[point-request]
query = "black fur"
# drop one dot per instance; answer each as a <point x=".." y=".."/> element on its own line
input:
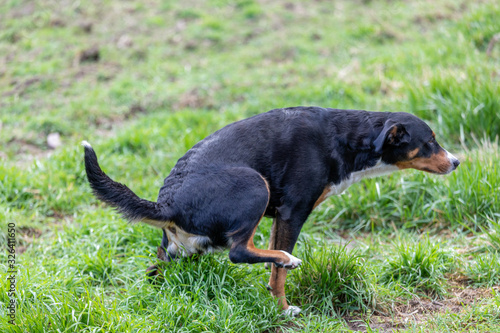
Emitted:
<point x="280" y="164"/>
<point x="118" y="195"/>
<point x="276" y="164"/>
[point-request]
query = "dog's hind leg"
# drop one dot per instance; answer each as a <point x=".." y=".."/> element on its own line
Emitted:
<point x="243" y="249"/>
<point x="249" y="200"/>
<point x="161" y="254"/>
<point x="162" y="249"/>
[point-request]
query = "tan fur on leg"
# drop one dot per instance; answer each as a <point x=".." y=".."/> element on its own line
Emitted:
<point x="277" y="285"/>
<point x="272" y="241"/>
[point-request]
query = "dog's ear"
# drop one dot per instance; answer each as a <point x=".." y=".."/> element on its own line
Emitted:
<point x="393" y="134"/>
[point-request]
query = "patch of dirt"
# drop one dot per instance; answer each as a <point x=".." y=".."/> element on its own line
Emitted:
<point x="95" y="71"/>
<point x="57" y="22"/>
<point x="89" y="55"/>
<point x="452" y="13"/>
<point x="24" y="10"/>
<point x="20" y="87"/>
<point x="26" y="236"/>
<point x="135" y="110"/>
<point x="27" y="151"/>
<point x="85" y="26"/>
<point x="195" y="99"/>
<point x="108" y="126"/>
<point x="358" y="324"/>
<point x="420" y="310"/>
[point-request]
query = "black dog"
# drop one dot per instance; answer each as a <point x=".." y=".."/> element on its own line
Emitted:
<point x="281" y="164"/>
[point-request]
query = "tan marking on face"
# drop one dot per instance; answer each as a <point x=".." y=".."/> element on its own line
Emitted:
<point x="413" y="153"/>
<point x="322" y="197"/>
<point x="433" y="134"/>
<point x="437" y="163"/>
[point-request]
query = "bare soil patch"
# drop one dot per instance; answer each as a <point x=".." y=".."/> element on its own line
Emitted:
<point x="420" y="310"/>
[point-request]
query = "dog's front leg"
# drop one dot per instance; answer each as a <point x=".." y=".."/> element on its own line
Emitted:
<point x="277" y="286"/>
<point x="283" y="238"/>
<point x="271" y="241"/>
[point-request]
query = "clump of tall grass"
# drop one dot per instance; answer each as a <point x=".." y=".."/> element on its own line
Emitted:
<point x="493" y="234"/>
<point x="456" y="105"/>
<point x="332" y="279"/>
<point x="484" y="271"/>
<point x="420" y="266"/>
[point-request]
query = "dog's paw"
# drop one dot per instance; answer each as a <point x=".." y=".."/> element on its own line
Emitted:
<point x="153" y="271"/>
<point x="154" y="274"/>
<point x="292" y="263"/>
<point x="162" y="255"/>
<point x="292" y="311"/>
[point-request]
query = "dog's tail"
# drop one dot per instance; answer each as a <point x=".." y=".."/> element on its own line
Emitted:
<point x="120" y="196"/>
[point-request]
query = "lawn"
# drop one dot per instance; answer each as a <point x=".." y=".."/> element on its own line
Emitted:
<point x="143" y="81"/>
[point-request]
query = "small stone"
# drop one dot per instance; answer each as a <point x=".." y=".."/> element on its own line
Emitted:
<point x="53" y="140"/>
<point x="124" y="42"/>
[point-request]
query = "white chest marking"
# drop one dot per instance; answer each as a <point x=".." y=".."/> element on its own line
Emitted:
<point x="379" y="169"/>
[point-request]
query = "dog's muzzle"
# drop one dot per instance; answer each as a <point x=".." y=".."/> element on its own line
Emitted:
<point x="454" y="162"/>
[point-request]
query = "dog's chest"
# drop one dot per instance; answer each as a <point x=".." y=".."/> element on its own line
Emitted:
<point x="378" y="169"/>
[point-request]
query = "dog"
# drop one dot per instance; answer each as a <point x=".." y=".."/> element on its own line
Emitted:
<point x="281" y="164"/>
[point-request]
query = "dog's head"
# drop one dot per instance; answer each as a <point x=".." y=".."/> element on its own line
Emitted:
<point x="408" y="142"/>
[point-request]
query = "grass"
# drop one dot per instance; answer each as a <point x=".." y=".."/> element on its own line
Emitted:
<point x="493" y="234"/>
<point x="420" y="266"/>
<point x="164" y="75"/>
<point x="332" y="280"/>
<point x="485" y="270"/>
<point x="414" y="199"/>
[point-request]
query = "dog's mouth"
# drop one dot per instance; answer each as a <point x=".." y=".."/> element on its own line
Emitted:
<point x="442" y="163"/>
<point x="451" y="166"/>
<point x="449" y="170"/>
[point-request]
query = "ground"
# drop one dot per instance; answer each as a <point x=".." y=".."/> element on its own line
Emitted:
<point x="144" y="81"/>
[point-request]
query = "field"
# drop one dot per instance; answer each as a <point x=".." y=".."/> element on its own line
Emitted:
<point x="143" y="81"/>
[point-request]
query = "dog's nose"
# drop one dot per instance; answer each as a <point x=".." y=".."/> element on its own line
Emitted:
<point x="453" y="160"/>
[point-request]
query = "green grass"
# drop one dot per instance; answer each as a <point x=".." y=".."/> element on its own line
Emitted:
<point x="493" y="234"/>
<point x="420" y="266"/>
<point x="485" y="270"/>
<point x="171" y="73"/>
<point x="332" y="280"/>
